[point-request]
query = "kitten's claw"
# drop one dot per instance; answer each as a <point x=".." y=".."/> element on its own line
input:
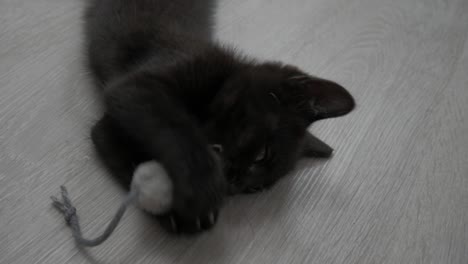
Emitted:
<point x="179" y="225"/>
<point x="173" y="224"/>
<point x="211" y="218"/>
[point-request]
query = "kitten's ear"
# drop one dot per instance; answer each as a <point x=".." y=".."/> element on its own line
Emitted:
<point x="314" y="147"/>
<point x="326" y="99"/>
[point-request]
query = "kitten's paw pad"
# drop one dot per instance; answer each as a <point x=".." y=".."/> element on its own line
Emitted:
<point x="179" y="225"/>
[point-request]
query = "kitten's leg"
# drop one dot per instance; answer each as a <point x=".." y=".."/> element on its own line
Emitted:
<point x="116" y="151"/>
<point x="162" y="129"/>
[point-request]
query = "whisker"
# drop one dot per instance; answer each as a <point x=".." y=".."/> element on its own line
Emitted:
<point x="275" y="97"/>
<point x="299" y="77"/>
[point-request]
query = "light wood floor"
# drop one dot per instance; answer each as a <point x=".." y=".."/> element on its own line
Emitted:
<point x="396" y="190"/>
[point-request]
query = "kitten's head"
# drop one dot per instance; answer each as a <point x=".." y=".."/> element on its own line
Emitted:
<point x="261" y="116"/>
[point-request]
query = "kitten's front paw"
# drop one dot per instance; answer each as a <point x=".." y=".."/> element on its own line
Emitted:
<point x="197" y="197"/>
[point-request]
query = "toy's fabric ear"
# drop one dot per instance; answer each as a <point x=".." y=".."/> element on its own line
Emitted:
<point x="325" y="99"/>
<point x="314" y="147"/>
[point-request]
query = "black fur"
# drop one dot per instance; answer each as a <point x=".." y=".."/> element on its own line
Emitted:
<point x="170" y="92"/>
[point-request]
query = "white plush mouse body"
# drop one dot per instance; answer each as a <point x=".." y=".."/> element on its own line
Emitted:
<point x="153" y="187"/>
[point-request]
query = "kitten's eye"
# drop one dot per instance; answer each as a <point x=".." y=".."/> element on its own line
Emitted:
<point x="262" y="155"/>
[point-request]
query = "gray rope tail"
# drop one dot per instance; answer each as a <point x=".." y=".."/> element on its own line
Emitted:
<point x="69" y="212"/>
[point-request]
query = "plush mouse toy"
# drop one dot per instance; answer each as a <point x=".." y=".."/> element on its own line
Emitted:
<point x="151" y="190"/>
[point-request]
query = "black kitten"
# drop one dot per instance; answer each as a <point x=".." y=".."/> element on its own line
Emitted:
<point x="170" y="92"/>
